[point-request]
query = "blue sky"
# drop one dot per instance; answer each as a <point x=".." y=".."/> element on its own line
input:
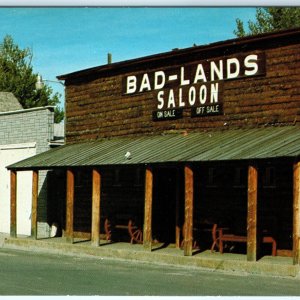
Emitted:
<point x="65" y="40"/>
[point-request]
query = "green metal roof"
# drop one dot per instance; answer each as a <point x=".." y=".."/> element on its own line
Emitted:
<point x="229" y="144"/>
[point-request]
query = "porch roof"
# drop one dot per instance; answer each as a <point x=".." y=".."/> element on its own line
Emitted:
<point x="228" y="144"/>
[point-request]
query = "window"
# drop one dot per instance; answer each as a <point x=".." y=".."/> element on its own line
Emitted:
<point x="212" y="177"/>
<point x="240" y="177"/>
<point x="269" y="180"/>
<point x="117" y="177"/>
<point x="138" y="178"/>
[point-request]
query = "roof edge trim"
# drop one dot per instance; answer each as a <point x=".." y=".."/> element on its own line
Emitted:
<point x="215" y="45"/>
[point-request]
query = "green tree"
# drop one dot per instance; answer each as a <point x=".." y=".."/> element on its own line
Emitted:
<point x="16" y="76"/>
<point x="270" y="19"/>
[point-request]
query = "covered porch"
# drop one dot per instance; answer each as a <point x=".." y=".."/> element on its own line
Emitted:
<point x="186" y="155"/>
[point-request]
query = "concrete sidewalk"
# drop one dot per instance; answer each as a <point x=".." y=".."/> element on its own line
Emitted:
<point x="268" y="265"/>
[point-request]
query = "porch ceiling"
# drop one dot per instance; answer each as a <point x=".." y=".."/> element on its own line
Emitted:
<point x="238" y="144"/>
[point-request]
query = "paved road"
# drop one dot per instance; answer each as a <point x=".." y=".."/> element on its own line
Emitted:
<point x="27" y="273"/>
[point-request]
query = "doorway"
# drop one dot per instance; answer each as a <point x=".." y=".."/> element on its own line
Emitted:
<point x="168" y="204"/>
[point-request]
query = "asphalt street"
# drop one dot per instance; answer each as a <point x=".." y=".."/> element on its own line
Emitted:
<point x="29" y="273"/>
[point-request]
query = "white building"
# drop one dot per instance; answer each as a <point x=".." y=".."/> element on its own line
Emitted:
<point x="24" y="133"/>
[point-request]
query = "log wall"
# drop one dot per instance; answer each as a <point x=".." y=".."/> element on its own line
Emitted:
<point x="97" y="108"/>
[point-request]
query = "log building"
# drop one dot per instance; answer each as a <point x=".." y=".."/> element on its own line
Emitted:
<point x="179" y="141"/>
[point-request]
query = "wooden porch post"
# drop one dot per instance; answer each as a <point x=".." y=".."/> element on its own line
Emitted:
<point x="147" y="241"/>
<point x="189" y="204"/>
<point x="95" y="238"/>
<point x="13" y="203"/>
<point x="177" y="217"/>
<point x="34" y="207"/>
<point x="296" y="213"/>
<point x="252" y="245"/>
<point x="70" y="206"/>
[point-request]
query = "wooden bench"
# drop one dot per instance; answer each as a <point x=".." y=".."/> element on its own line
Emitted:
<point x="219" y="238"/>
<point x="135" y="233"/>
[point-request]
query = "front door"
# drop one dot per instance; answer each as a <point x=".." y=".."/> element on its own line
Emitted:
<point x="167" y="204"/>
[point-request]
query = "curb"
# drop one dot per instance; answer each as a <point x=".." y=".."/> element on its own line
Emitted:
<point x="216" y="263"/>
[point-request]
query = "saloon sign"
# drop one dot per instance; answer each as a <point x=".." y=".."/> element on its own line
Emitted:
<point x="198" y="86"/>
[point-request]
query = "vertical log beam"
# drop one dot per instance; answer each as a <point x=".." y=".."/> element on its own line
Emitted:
<point x="252" y="245"/>
<point x="34" y="207"/>
<point x="189" y="205"/>
<point x="13" y="203"/>
<point x="95" y="239"/>
<point x="70" y="207"/>
<point x="177" y="230"/>
<point x="147" y="241"/>
<point x="296" y="213"/>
